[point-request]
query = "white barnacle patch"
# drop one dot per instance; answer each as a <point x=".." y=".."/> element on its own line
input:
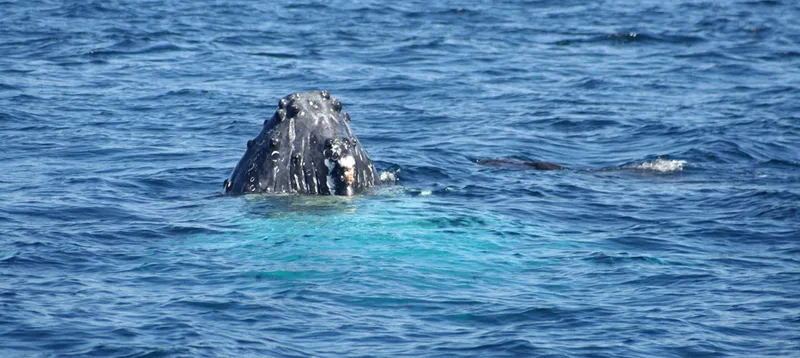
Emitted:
<point x="347" y="162"/>
<point x="372" y="174"/>
<point x="331" y="165"/>
<point x="292" y="129"/>
<point x="275" y="155"/>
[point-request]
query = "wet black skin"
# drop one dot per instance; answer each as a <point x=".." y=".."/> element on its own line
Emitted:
<point x="290" y="153"/>
<point x="518" y="164"/>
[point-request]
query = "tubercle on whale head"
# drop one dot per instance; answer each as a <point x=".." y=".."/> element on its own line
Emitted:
<point x="301" y="104"/>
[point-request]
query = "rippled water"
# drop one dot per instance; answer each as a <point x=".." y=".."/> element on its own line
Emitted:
<point x="675" y="232"/>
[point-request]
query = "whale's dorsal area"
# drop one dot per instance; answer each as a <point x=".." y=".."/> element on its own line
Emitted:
<point x="511" y="163"/>
<point x="307" y="147"/>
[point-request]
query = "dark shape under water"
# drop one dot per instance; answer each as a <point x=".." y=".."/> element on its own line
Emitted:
<point x="307" y="147"/>
<point x="518" y="164"/>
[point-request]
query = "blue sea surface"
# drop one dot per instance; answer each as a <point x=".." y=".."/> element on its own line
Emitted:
<point x="674" y="232"/>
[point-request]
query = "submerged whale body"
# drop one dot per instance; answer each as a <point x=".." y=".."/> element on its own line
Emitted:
<point x="512" y="163"/>
<point x="307" y="147"/>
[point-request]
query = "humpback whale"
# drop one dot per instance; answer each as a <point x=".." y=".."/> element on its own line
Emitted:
<point x="306" y="147"/>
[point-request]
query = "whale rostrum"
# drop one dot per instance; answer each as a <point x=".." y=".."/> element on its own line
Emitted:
<point x="307" y="147"/>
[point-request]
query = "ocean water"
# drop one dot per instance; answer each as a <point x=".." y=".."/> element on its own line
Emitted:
<point x="674" y="233"/>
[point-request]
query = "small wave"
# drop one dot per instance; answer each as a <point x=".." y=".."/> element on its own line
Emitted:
<point x="26" y="97"/>
<point x="128" y="48"/>
<point x="709" y="55"/>
<point x="593" y="83"/>
<point x="779" y="163"/>
<point x="275" y="55"/>
<point x="622" y="38"/>
<point x="660" y="165"/>
<point x="788" y="54"/>
<point x="581" y="125"/>
<point x="6" y="87"/>
<point x="183" y="92"/>
<point x="761" y="3"/>
<point x="622" y="258"/>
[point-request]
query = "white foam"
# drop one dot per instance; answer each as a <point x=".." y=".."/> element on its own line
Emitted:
<point x="388" y="177"/>
<point x="661" y="165"/>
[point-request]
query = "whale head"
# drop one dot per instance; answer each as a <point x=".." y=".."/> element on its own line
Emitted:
<point x="306" y="147"/>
